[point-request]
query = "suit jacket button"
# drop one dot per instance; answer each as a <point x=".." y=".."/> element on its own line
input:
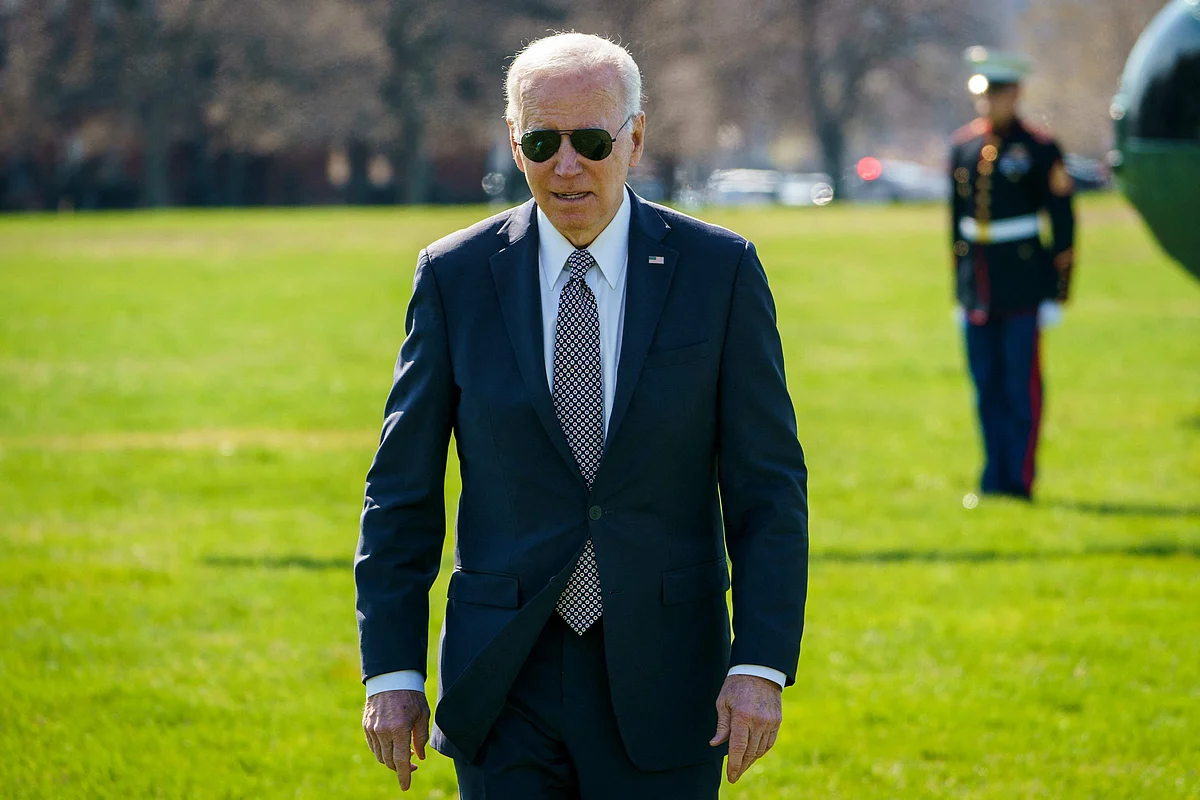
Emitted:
<point x="594" y="512"/>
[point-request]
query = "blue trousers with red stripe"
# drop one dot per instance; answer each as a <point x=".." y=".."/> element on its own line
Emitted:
<point x="1005" y="363"/>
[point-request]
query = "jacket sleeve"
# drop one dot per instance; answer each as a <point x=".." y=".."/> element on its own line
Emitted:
<point x="763" y="481"/>
<point x="957" y="212"/>
<point x="1057" y="191"/>
<point x="403" y="522"/>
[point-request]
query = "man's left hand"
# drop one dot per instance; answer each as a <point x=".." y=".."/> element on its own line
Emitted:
<point x="749" y="713"/>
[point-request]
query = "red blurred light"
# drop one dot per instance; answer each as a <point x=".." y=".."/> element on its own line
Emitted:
<point x="869" y="168"/>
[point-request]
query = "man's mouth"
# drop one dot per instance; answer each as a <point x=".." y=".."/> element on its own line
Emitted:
<point x="570" y="195"/>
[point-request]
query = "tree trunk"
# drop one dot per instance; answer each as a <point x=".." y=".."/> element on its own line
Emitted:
<point x="416" y="159"/>
<point x="156" y="155"/>
<point x="829" y="130"/>
<point x="668" y="174"/>
<point x="358" y="187"/>
<point x="831" y="133"/>
<point x="235" y="185"/>
<point x="156" y="190"/>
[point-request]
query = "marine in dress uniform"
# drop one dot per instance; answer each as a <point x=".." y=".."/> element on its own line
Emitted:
<point x="1009" y="285"/>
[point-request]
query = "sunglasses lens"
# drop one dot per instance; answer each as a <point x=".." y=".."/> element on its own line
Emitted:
<point x="540" y="146"/>
<point x="593" y="144"/>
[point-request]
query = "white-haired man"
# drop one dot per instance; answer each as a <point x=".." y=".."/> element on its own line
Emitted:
<point x="613" y="377"/>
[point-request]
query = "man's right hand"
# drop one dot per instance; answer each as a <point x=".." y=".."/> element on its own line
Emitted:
<point x="397" y="726"/>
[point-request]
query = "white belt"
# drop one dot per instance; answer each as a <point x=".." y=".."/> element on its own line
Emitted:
<point x="1013" y="229"/>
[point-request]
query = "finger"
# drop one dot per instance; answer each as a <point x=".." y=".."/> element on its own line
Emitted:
<point x="370" y="734"/>
<point x="722" y="724"/>
<point x="752" y="748"/>
<point x="401" y="758"/>
<point x="421" y="734"/>
<point x="748" y="757"/>
<point x="399" y="780"/>
<point x="373" y="743"/>
<point x="390" y="742"/>
<point x="739" y="738"/>
<point x="769" y="742"/>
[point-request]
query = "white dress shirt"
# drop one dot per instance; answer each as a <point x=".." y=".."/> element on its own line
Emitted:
<point x="611" y="251"/>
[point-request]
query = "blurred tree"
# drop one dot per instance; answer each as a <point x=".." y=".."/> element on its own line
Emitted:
<point x="128" y="65"/>
<point x="274" y="75"/>
<point x="295" y="74"/>
<point x="231" y="82"/>
<point x="755" y="75"/>
<point x="159" y="56"/>
<point x="843" y="45"/>
<point x="438" y="56"/>
<point x="669" y="39"/>
<point x="1080" y="50"/>
<point x="46" y="88"/>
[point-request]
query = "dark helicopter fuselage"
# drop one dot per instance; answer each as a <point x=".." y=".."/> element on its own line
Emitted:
<point x="1157" y="115"/>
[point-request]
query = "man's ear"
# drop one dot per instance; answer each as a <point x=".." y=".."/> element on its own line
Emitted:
<point x="638" y="135"/>
<point x="513" y="142"/>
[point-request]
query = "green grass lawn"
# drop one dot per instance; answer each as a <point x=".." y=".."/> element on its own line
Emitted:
<point x="189" y="403"/>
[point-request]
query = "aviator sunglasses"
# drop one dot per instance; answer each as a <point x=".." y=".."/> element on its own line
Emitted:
<point x="594" y="144"/>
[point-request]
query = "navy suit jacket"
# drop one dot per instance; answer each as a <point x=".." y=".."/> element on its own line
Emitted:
<point x="701" y="461"/>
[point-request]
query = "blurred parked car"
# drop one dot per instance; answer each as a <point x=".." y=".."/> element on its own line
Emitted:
<point x="873" y="180"/>
<point x="805" y="189"/>
<point x="741" y="187"/>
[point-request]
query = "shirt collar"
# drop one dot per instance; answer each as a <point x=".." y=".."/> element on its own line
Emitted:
<point x="610" y="249"/>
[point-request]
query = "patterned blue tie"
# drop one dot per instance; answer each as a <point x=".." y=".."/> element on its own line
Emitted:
<point x="579" y="404"/>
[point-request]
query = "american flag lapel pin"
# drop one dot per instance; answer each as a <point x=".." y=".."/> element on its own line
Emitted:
<point x="657" y="260"/>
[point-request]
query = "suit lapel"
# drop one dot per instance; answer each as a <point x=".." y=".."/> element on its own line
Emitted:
<point x="515" y="273"/>
<point x="648" y="278"/>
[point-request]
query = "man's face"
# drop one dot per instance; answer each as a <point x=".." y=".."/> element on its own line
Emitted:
<point x="579" y="196"/>
<point x="999" y="103"/>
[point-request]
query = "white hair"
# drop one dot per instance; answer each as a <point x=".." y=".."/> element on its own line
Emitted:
<point x="571" y="53"/>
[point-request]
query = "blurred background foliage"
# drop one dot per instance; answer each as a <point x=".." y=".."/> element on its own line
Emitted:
<point x="126" y="103"/>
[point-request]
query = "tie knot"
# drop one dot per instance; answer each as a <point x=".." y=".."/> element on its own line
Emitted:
<point x="579" y="263"/>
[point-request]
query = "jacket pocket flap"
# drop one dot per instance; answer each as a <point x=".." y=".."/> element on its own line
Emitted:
<point x="485" y="588"/>
<point x="693" y="583"/>
<point x="678" y="355"/>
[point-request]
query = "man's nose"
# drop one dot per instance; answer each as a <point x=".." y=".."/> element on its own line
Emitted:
<point x="568" y="158"/>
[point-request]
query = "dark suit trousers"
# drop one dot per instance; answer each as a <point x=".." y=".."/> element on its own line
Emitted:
<point x="557" y="739"/>
<point x="1006" y="368"/>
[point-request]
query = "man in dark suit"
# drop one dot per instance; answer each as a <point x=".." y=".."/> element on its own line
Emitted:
<point x="1009" y="286"/>
<point x="613" y="377"/>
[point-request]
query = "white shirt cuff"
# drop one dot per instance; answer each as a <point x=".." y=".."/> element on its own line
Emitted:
<point x="773" y="675"/>
<point x="412" y="680"/>
<point x="407" y="679"/>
